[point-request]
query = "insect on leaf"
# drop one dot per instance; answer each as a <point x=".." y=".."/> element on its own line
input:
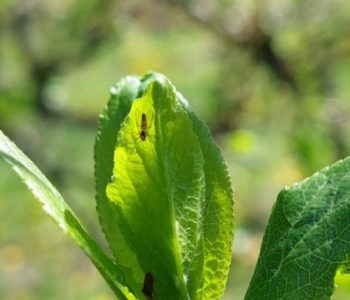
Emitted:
<point x="171" y="197"/>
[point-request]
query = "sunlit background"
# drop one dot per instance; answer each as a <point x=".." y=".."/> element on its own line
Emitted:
<point x="270" y="78"/>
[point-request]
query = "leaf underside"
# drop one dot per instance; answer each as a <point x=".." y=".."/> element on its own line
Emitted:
<point x="307" y="238"/>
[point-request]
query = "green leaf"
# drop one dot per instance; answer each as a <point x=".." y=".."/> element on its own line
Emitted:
<point x="56" y="207"/>
<point x="307" y="238"/>
<point x="170" y="196"/>
<point x="217" y="214"/>
<point x="110" y="121"/>
<point x="214" y="252"/>
<point x="153" y="178"/>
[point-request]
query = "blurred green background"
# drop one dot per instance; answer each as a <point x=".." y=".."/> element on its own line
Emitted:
<point x="270" y="78"/>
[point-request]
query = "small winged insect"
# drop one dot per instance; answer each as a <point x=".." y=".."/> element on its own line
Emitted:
<point x="144" y="123"/>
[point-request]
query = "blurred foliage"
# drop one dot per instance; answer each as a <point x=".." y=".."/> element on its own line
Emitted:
<point x="271" y="78"/>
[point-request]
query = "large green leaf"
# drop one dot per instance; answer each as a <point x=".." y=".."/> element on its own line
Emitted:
<point x="170" y="208"/>
<point x="307" y="238"/>
<point x="155" y="180"/>
<point x="56" y="207"/>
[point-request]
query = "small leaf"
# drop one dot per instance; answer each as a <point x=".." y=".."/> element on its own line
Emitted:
<point x="307" y="238"/>
<point x="56" y="207"/>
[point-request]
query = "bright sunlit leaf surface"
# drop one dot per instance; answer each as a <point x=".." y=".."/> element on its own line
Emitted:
<point x="165" y="202"/>
<point x="307" y="238"/>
